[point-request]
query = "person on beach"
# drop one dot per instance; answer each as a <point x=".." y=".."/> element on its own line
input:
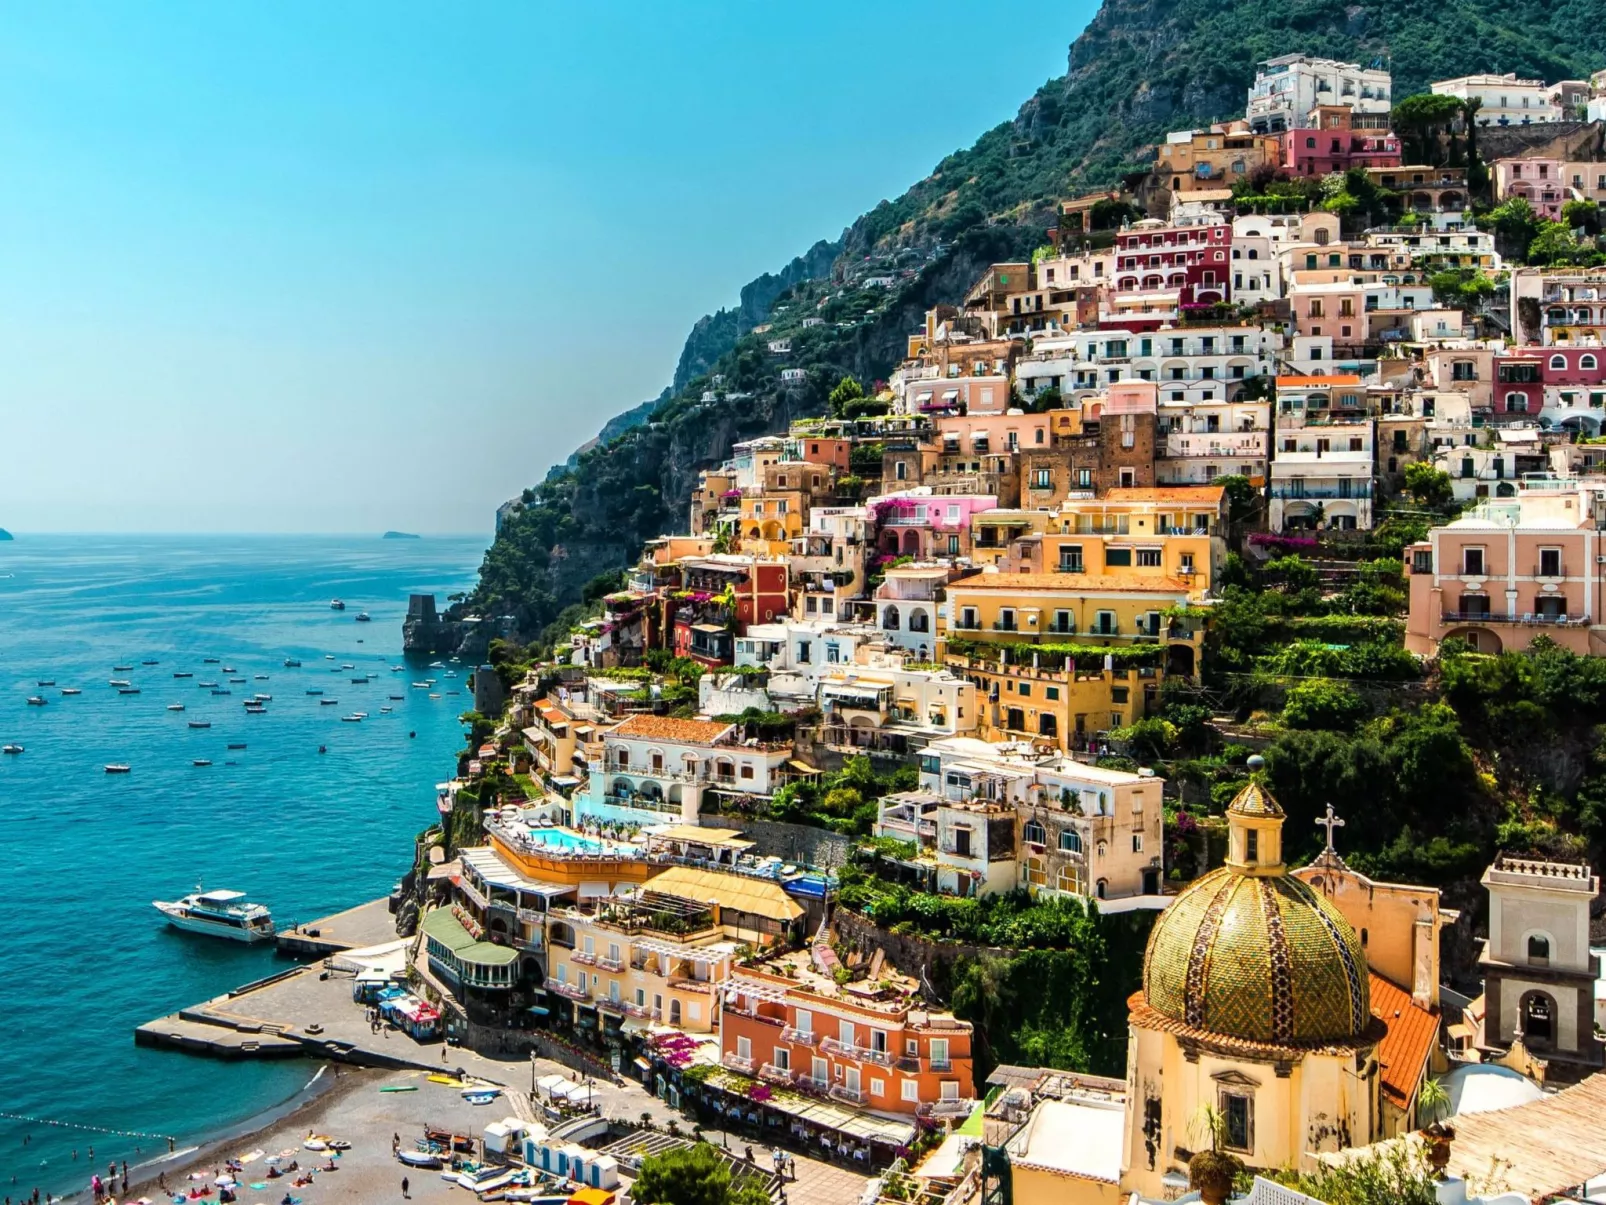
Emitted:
<point x="405" y="1195"/>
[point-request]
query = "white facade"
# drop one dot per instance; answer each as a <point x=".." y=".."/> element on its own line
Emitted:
<point x="1207" y="440"/>
<point x="1322" y="471"/>
<point x="1507" y="100"/>
<point x="1190" y="364"/>
<point x="1287" y="88"/>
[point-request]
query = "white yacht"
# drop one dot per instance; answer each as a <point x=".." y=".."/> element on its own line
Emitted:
<point x="221" y="913"/>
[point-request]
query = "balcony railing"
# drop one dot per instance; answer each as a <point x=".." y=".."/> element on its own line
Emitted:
<point x="1360" y="489"/>
<point x="946" y="1108"/>
<point x="770" y="1071"/>
<point x="842" y="1092"/>
<point x="530" y="916"/>
<point x="1557" y="570"/>
<point x="804" y="1036"/>
<point x="737" y="1063"/>
<point x="583" y="958"/>
<point x="572" y="991"/>
<point x="809" y="1084"/>
<point x="474" y="893"/>
<point x="609" y="964"/>
<point x="610" y="1005"/>
<point x="1524" y="617"/>
<point x="687" y="984"/>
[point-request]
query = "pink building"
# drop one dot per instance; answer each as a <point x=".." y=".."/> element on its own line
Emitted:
<point x="1338" y="139"/>
<point x="1191" y="262"/>
<point x="925" y="525"/>
<point x="1548" y="184"/>
<point x="1510" y="569"/>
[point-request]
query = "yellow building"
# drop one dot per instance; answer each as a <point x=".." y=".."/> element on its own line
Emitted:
<point x="1102" y="610"/>
<point x="1051" y="698"/>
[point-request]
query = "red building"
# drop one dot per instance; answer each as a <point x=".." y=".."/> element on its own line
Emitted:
<point x="1339" y="139"/>
<point x="1189" y="263"/>
<point x="719" y="596"/>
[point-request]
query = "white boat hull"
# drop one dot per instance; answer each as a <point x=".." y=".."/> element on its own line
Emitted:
<point x="180" y="919"/>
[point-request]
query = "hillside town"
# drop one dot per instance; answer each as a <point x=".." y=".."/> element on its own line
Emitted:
<point x="935" y="653"/>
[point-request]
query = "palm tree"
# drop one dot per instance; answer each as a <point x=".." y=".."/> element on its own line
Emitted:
<point x="1212" y="1172"/>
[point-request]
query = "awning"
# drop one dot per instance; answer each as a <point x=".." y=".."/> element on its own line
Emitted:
<point x="863" y="1126"/>
<point x="803" y="767"/>
<point x="949" y="395"/>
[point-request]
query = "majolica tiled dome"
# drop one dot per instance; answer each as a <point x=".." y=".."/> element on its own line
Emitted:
<point x="1261" y="957"/>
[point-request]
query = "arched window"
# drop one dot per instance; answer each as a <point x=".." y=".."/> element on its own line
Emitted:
<point x="1558" y="361"/>
<point x="1034" y="873"/>
<point x="889" y="618"/>
<point x="621" y="757"/>
<point x="1587" y="362"/>
<point x="1102" y="848"/>
<point x="919" y="622"/>
<point x="1254" y="253"/>
<point x="1102" y="888"/>
<point x="1035" y="834"/>
<point x="1070" y="841"/>
<point x="1070" y="879"/>
<point x="1539" y="950"/>
<point x="623" y="787"/>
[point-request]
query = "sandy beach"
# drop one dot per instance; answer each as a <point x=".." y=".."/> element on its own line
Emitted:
<point x="354" y="1109"/>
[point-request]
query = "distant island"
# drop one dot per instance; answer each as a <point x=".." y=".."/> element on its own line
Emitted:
<point x="6" y="535"/>
<point x="389" y="535"/>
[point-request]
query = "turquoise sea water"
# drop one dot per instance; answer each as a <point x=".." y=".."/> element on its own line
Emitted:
<point x="83" y="955"/>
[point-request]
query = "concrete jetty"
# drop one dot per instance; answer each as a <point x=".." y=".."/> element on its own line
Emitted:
<point x="365" y="925"/>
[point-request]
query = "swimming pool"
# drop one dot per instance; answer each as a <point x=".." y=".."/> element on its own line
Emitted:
<point x="572" y="842"/>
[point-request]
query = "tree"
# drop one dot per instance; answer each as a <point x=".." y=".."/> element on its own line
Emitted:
<point x="692" y="1176"/>
<point x="1323" y="704"/>
<point x="1581" y="215"/>
<point x="1242" y="497"/>
<point x="1515" y="225"/>
<point x="1428" y="485"/>
<point x="1421" y="121"/>
<point x="847" y="390"/>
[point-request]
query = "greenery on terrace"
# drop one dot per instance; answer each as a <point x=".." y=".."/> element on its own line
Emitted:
<point x="845" y="801"/>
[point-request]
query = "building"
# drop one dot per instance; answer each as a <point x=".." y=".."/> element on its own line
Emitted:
<point x="1559" y="306"/>
<point x="1549" y="183"/>
<point x="1324" y="457"/>
<point x="1159" y="263"/>
<point x="654" y="769"/>
<point x="1258" y="1001"/>
<point x="1205" y="160"/>
<point x="1508" y="570"/>
<point x="870" y="1045"/>
<point x="1538" y="971"/>
<point x="886" y="708"/>
<point x="1335" y="138"/>
<point x="1288" y="88"/>
<point x="1504" y="100"/>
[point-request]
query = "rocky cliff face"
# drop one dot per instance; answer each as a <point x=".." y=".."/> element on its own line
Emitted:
<point x="1140" y="68"/>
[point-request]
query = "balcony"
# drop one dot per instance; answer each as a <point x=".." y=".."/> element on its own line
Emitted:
<point x="1528" y="618"/>
<point x="956" y="1107"/>
<point x="770" y="1071"/>
<point x="857" y="1053"/>
<point x="608" y="964"/>
<point x="1001" y="626"/>
<point x="802" y="1036"/>
<point x="737" y="1063"/>
<point x="583" y="958"/>
<point x="608" y="1004"/>
<point x="842" y="1092"/>
<point x="529" y="916"/>
<point x="686" y="983"/>
<point x="569" y="991"/>
<point x="1550" y="571"/>
<point x="809" y="1084"/>
<point x="1314" y="493"/>
<point x="474" y="893"/>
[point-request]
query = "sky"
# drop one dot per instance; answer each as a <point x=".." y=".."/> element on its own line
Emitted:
<point x="350" y="267"/>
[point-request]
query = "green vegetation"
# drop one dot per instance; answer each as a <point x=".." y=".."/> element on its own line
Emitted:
<point x="844" y="802"/>
<point x="1398" y="1176"/>
<point x="694" y="1175"/>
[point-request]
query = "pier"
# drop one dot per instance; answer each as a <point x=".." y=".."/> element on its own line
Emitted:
<point x="365" y="925"/>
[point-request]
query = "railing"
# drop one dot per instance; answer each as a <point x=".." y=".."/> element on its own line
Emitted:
<point x="1001" y="626"/>
<point x="809" y="1084"/>
<point x="946" y="1108"/>
<point x="609" y="964"/>
<point x="687" y="984"/>
<point x="609" y="1004"/>
<point x="529" y="916"/>
<point x="941" y="1064"/>
<point x="737" y="1063"/>
<point x="584" y="958"/>
<point x="803" y="1036"/>
<point x="771" y="1072"/>
<point x="1557" y="570"/>
<point x="640" y="1011"/>
<point x="570" y="990"/>
<point x="1359" y="490"/>
<point x="842" y="1092"/>
<point x="474" y="893"/>
<point x="1527" y="618"/>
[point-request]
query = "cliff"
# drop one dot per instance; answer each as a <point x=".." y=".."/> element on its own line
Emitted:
<point x="1140" y="68"/>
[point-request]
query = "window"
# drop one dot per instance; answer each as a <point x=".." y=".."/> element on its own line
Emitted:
<point x="910" y="1089"/>
<point x="782" y="1058"/>
<point x="878" y="1087"/>
<point x="939" y="1054"/>
<point x="1538" y="951"/>
<point x="1422" y="562"/>
<point x="1149" y="558"/>
<point x="1558" y="362"/>
<point x="1070" y="841"/>
<point x="1586" y="362"/>
<point x="1252" y="846"/>
<point x="1550" y="562"/>
<point x="1137" y="843"/>
<point x="1238" y="1116"/>
<point x="1034" y="833"/>
<point x="1118" y="558"/>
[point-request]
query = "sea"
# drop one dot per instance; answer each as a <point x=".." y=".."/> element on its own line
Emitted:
<point x="84" y="958"/>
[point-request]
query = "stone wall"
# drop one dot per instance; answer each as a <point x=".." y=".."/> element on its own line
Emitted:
<point x="930" y="962"/>
<point x="801" y="843"/>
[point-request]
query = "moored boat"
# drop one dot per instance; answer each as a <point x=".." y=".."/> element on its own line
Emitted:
<point x="201" y="761"/>
<point x="219" y="913"/>
<point x="36" y="700"/>
<point x="11" y="749"/>
<point x="46" y="682"/>
<point x="363" y="617"/>
<point x="329" y="702"/>
<point x="291" y="663"/>
<point x="182" y="673"/>
<point x="200" y="723"/>
<point x="119" y="682"/>
<point x="118" y="768"/>
<point x="175" y="707"/>
<point x="336" y="605"/>
<point x="128" y="690"/>
<point x="71" y="690"/>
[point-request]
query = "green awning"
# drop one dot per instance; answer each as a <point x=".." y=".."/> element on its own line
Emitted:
<point x="440" y="925"/>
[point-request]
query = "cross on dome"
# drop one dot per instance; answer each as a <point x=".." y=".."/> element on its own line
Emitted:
<point x="1330" y="822"/>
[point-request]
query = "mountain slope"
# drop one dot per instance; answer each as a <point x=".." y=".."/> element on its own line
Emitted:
<point x="1141" y="67"/>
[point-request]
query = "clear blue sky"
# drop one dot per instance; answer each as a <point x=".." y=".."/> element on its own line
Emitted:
<point x="346" y="267"/>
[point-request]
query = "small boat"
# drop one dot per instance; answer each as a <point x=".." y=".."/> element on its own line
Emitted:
<point x="128" y="690"/>
<point x="407" y="1088"/>
<point x="336" y="605"/>
<point x="201" y="761"/>
<point x="236" y="744"/>
<point x="119" y="682"/>
<point x="437" y="665"/>
<point x="420" y="685"/>
<point x="434" y="695"/>
<point x="291" y="663"/>
<point x="200" y="723"/>
<point x="398" y="668"/>
<point x="262" y="698"/>
<point x="118" y="768"/>
<point x="361" y="715"/>
<point x="480" y="1098"/>
<point x="182" y="673"/>
<point x="208" y="660"/>
<point x="36" y="700"/>
<point x="328" y="656"/>
<point x="11" y="749"/>
<point x="224" y="690"/>
<point x="206" y="685"/>
<point x="329" y="702"/>
<point x="384" y="711"/>
<point x="47" y="682"/>
<point x="451" y="673"/>
<point x="351" y="719"/>
<point x="237" y="681"/>
<point x="398" y="697"/>
<point x="315" y="691"/>
<point x="359" y="681"/>
<point x="229" y="669"/>
<point x="347" y="665"/>
<point x="175" y="707"/>
<point x="121" y="669"/>
<point x="260" y="677"/>
<point x="419" y="1159"/>
<point x="323" y="748"/>
<point x="255" y="709"/>
<point x="71" y="690"/>
<point x="222" y="913"/>
<point x="150" y="661"/>
<point x="363" y="617"/>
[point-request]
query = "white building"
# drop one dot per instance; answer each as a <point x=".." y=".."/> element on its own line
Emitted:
<point x="1204" y="440"/>
<point x="906" y="606"/>
<point x="1190" y="364"/>
<point x="1287" y="88"/>
<point x="1507" y="100"/>
<point x="879" y="706"/>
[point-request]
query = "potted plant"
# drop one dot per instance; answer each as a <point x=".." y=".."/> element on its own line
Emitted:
<point x="1212" y="1172"/>
<point x="1433" y="1101"/>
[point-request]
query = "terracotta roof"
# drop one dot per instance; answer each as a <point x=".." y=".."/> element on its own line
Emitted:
<point x="1342" y="378"/>
<point x="1544" y="1147"/>
<point x="1164" y="493"/>
<point x="662" y="728"/>
<point x="1403" y="1052"/>
<point x="1080" y="585"/>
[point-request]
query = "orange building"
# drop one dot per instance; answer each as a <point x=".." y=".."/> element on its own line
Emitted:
<point x="869" y="1045"/>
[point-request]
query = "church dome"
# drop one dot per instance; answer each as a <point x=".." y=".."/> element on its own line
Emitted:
<point x="1250" y="952"/>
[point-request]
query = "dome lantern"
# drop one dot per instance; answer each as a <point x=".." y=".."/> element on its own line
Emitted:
<point x="1255" y="827"/>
